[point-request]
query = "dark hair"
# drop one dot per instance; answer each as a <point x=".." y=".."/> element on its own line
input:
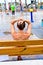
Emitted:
<point x="21" y="26"/>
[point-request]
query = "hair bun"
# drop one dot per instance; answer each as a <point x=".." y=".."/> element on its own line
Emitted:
<point x="21" y="26"/>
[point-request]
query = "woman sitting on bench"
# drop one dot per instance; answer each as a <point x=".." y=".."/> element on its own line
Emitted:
<point x="21" y="35"/>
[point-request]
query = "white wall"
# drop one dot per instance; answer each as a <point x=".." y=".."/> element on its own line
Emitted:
<point x="1" y="1"/>
<point x="28" y="1"/>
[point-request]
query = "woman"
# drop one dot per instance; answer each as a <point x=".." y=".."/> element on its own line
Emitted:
<point x="21" y="35"/>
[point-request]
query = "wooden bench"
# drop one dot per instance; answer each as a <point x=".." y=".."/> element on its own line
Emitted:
<point x="27" y="47"/>
<point x="18" y="48"/>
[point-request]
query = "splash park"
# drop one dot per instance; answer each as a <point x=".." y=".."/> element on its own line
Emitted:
<point x="17" y="46"/>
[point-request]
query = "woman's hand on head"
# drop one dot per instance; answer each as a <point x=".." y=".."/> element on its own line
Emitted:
<point x="13" y="21"/>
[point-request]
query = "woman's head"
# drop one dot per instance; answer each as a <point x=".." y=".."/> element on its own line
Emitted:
<point x="21" y="24"/>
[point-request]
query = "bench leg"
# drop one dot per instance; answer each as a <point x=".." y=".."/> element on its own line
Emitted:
<point x="19" y="58"/>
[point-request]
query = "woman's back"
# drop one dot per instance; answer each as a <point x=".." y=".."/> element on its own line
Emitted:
<point x="21" y="34"/>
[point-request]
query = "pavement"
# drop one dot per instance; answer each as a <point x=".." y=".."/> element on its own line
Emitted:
<point x="37" y="29"/>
